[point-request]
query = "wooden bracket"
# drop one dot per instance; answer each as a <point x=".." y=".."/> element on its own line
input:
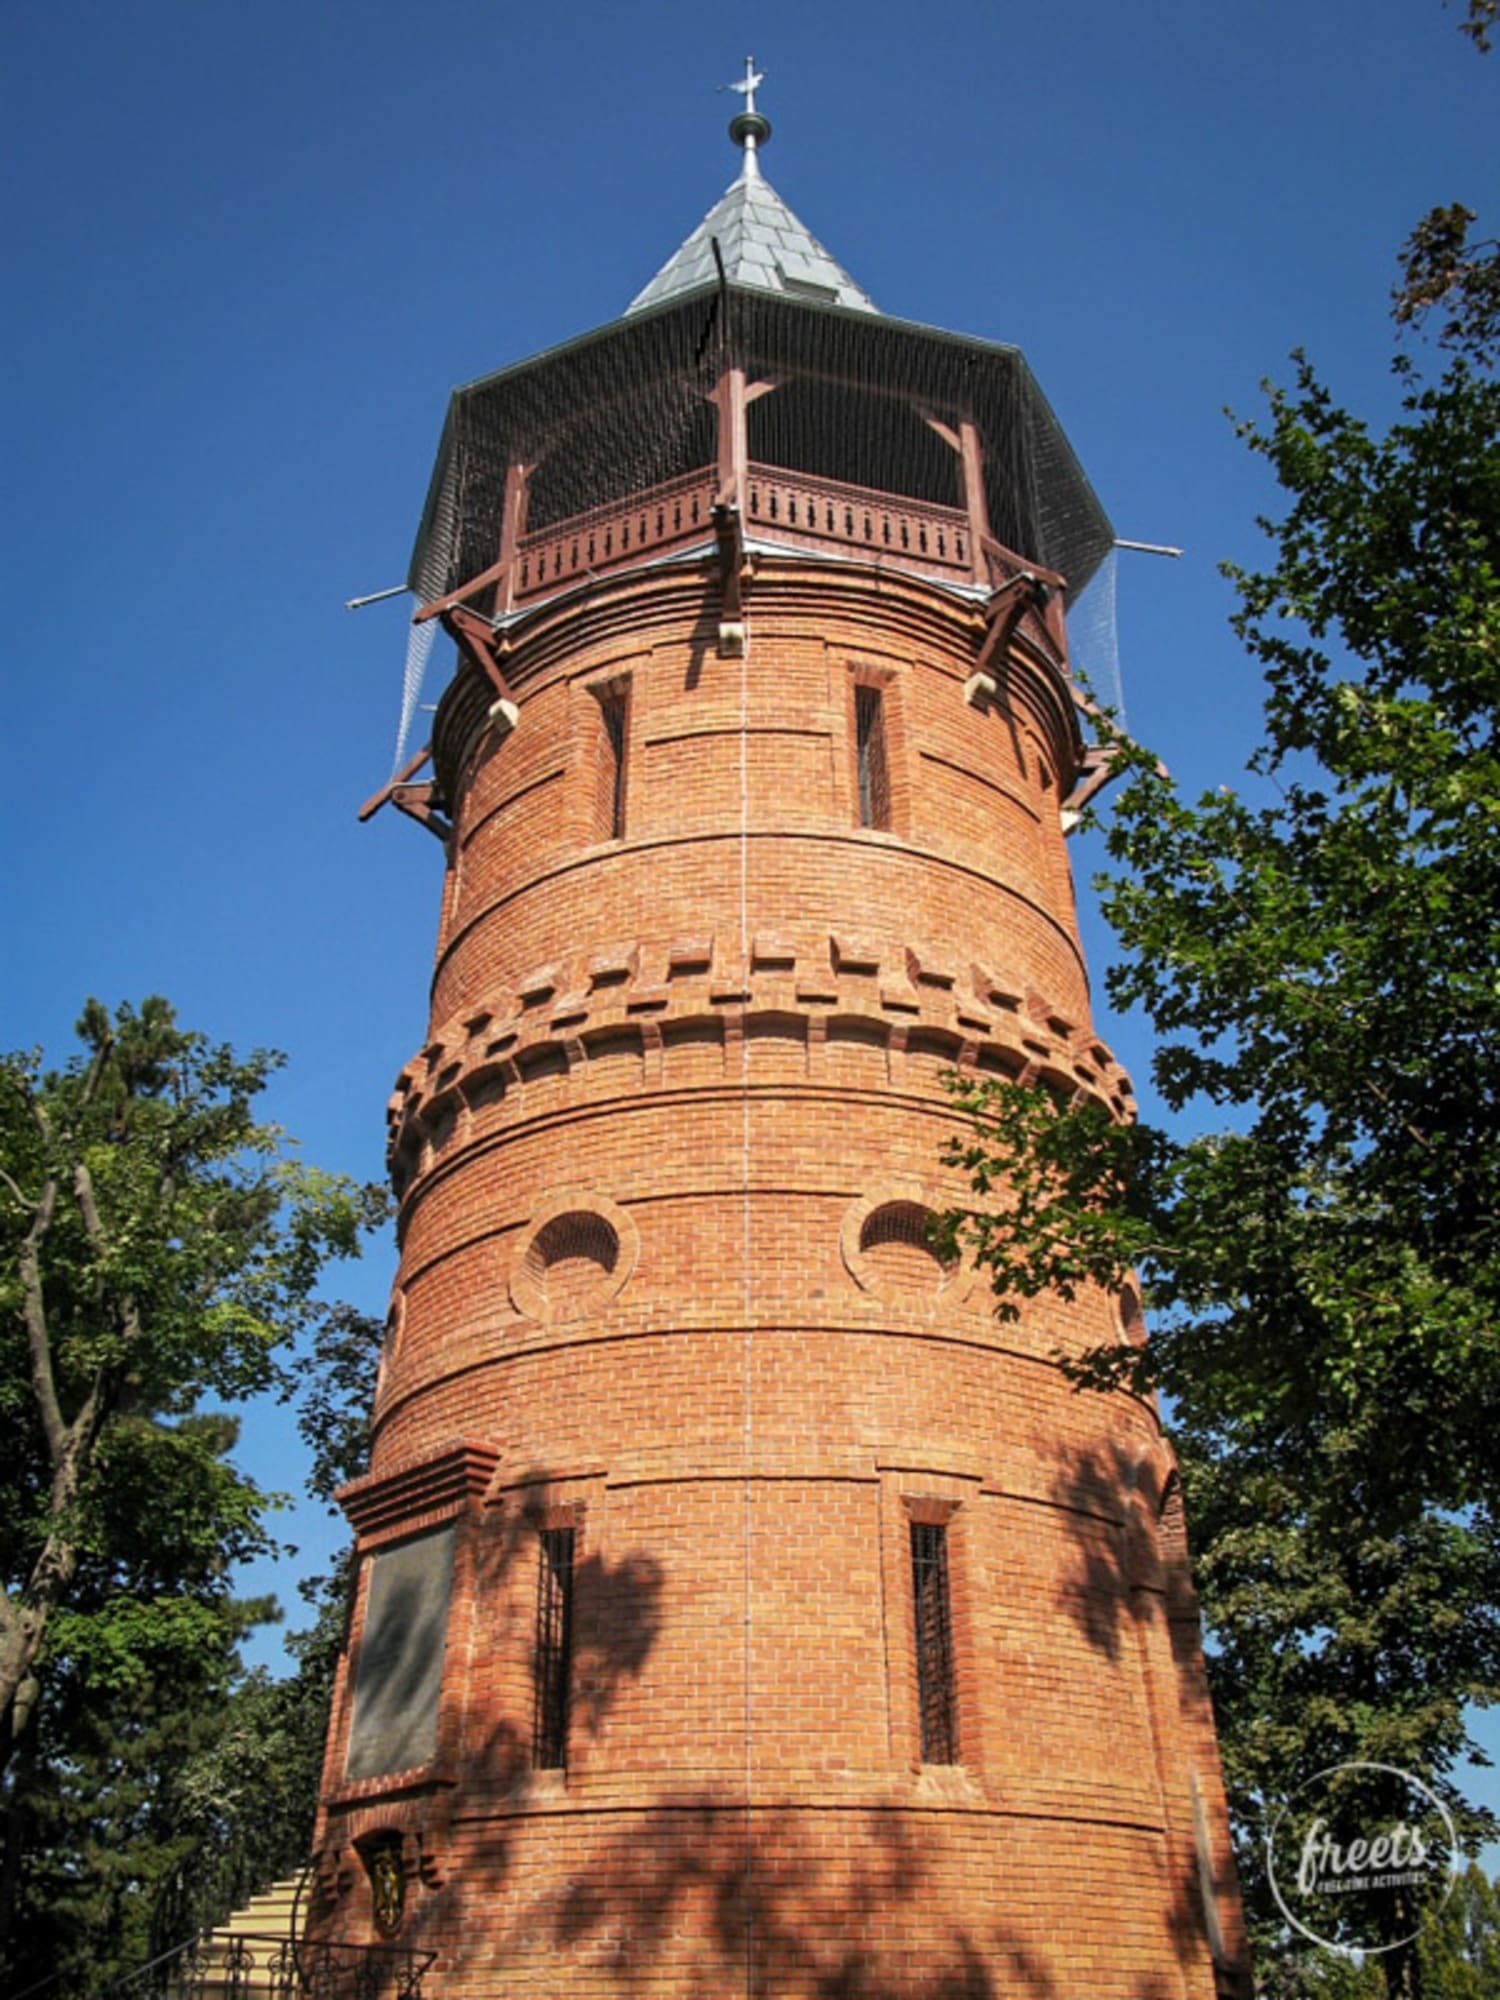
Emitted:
<point x="500" y="572"/>
<point x="1029" y="589"/>
<point x="440" y="606"/>
<point x="476" y="637"/>
<point x="409" y="769"/>
<point x="1003" y="614"/>
<point x="1100" y="765"/>
<point x="734" y="574"/>
<point x="419" y="802"/>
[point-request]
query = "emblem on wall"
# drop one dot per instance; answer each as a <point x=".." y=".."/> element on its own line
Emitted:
<point x="387" y="1887"/>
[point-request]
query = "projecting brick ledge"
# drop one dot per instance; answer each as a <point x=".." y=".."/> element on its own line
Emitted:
<point x="556" y="1016"/>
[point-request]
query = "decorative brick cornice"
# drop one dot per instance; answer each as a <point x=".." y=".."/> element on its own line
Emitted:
<point x="419" y="1493"/>
<point x="976" y="1019"/>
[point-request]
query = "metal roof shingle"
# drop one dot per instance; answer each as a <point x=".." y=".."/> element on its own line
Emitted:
<point x="762" y="244"/>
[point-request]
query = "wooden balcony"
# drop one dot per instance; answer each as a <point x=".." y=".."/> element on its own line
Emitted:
<point x="613" y="537"/>
<point x="827" y="514"/>
<point x="786" y="507"/>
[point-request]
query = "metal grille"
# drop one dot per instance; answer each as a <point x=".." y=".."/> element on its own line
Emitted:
<point x="896" y="1240"/>
<point x="869" y="737"/>
<point x="554" y="1649"/>
<point x="934" y="1630"/>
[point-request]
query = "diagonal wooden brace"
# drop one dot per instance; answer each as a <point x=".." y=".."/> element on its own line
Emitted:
<point x="409" y="769"/>
<point x="1100" y="766"/>
<point x="441" y="606"/>
<point x="476" y="637"/>
<point x="418" y="802"/>
<point x="501" y="572"/>
<point x="1003" y="614"/>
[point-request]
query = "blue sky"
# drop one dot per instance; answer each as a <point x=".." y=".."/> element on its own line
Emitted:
<point x="250" y="249"/>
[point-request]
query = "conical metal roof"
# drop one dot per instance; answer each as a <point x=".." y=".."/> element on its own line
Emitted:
<point x="763" y="246"/>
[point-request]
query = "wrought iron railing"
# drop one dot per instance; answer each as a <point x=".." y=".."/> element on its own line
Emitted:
<point x="249" y="1967"/>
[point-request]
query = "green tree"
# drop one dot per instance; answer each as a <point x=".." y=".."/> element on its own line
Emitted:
<point x="158" y="1248"/>
<point x="1319" y="962"/>
<point x="1460" y="1950"/>
<point x="243" y="1803"/>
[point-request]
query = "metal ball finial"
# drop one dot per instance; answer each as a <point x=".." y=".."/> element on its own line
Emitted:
<point x="749" y="125"/>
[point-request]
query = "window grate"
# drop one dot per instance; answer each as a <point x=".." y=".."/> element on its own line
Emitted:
<point x="554" y="1649"/>
<point x="869" y="740"/>
<point x="934" y="1631"/>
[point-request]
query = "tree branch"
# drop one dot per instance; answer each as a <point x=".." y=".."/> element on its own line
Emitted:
<point x="34" y="1310"/>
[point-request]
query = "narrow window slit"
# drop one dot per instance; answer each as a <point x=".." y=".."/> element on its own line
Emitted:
<point x="936" y="1702"/>
<point x="614" y="718"/>
<point x="554" y="1649"/>
<point x="869" y="739"/>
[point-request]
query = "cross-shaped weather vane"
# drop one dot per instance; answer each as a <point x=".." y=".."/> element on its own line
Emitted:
<point x="753" y="80"/>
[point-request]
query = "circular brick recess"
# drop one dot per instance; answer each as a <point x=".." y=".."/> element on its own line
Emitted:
<point x="575" y="1259"/>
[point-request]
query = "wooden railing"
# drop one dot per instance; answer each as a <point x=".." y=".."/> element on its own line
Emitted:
<point x="608" y="537"/>
<point x="780" y="506"/>
<point x="791" y="507"/>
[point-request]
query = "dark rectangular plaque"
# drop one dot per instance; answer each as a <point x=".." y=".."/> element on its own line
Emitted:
<point x="400" y="1670"/>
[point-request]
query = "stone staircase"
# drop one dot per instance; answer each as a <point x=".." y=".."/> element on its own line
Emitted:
<point x="250" y="1956"/>
<point x="247" y="1956"/>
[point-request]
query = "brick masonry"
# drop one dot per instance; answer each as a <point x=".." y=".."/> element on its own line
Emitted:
<point x="659" y="1161"/>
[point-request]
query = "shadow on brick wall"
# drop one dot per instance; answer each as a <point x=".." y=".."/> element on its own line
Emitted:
<point x="685" y="1893"/>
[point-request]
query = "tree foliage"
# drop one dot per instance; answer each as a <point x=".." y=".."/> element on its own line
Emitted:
<point x="159" y="1253"/>
<point x="1479" y="23"/>
<point x="1318" y="956"/>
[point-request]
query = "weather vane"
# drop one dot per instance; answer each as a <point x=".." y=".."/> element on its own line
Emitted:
<point x="749" y="128"/>
<point x="752" y="83"/>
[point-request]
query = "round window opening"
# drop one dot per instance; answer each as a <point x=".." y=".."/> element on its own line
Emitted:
<point x="895" y="1245"/>
<point x="577" y="1258"/>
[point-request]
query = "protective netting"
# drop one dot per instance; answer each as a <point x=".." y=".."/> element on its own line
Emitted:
<point x="853" y="398"/>
<point x="1094" y="639"/>
<point x="419" y="640"/>
<point x="612" y="414"/>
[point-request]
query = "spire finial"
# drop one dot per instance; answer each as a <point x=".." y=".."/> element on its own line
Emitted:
<point x="749" y="128"/>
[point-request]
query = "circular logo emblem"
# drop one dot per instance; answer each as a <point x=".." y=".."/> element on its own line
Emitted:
<point x="1360" y="1857"/>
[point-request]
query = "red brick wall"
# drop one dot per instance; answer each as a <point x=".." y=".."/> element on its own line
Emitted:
<point x="721" y="1037"/>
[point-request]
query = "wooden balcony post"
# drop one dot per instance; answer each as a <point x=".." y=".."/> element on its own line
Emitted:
<point x="729" y="400"/>
<point x="512" y="527"/>
<point x="971" y="453"/>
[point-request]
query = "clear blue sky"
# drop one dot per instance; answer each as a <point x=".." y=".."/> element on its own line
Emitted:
<point x="249" y="250"/>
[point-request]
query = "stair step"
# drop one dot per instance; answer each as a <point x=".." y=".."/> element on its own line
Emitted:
<point x="258" y="1927"/>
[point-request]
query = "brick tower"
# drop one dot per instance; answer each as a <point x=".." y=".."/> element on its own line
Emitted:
<point x="743" y="1610"/>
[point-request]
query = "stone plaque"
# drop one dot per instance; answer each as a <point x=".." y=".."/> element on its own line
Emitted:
<point x="400" y="1669"/>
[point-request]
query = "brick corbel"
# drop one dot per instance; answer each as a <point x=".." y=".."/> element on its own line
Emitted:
<point x="420" y="1491"/>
